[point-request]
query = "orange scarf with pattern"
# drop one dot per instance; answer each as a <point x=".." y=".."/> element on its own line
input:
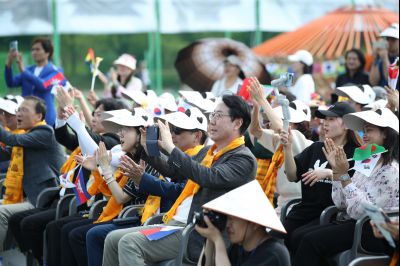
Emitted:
<point x="191" y="188"/>
<point x="15" y="173"/>
<point x="153" y="202"/>
<point x="113" y="208"/>
<point x="269" y="182"/>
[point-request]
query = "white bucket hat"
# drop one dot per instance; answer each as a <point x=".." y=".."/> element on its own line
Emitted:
<point x="193" y="118"/>
<point x="137" y="118"/>
<point x="234" y="60"/>
<point x="137" y="96"/>
<point x="195" y="98"/>
<point x="381" y="118"/>
<point x="109" y="114"/>
<point x="379" y="104"/>
<point x="249" y="203"/>
<point x="126" y="60"/>
<point x="11" y="103"/>
<point x="302" y="56"/>
<point x="299" y="112"/>
<point x="167" y="101"/>
<point x="361" y="95"/>
<point x="392" y="31"/>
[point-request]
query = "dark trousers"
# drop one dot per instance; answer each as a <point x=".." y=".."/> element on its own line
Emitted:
<point x="95" y="238"/>
<point x="54" y="238"/>
<point x="292" y="225"/>
<point x="316" y="243"/>
<point x="14" y="224"/>
<point x="77" y="242"/>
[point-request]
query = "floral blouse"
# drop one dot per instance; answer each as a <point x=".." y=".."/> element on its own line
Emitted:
<point x="380" y="189"/>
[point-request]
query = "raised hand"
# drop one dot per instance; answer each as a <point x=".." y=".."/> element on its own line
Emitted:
<point x="341" y="165"/>
<point x="88" y="163"/>
<point x="165" y="141"/>
<point x="103" y="157"/>
<point x="131" y="169"/>
<point x="329" y="150"/>
<point x="286" y="138"/>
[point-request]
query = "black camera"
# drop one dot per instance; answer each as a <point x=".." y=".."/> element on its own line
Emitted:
<point x="217" y="219"/>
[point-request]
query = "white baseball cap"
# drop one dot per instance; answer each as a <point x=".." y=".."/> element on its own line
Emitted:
<point x="137" y="118"/>
<point x="248" y="202"/>
<point x="193" y="118"/>
<point x="381" y="118"/>
<point x="360" y="94"/>
<point x="126" y="60"/>
<point x="299" y="112"/>
<point x="167" y="101"/>
<point x="302" y="56"/>
<point x="392" y="31"/>
<point x="234" y="60"/>
<point x="11" y="103"/>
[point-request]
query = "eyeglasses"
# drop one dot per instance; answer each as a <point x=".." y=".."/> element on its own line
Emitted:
<point x="178" y="130"/>
<point x="216" y="115"/>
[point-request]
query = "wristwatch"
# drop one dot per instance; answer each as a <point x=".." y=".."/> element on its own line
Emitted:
<point x="344" y="177"/>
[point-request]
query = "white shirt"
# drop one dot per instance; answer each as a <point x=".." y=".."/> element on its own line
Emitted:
<point x="37" y="71"/>
<point x="182" y="212"/>
<point x="303" y="88"/>
<point x="218" y="89"/>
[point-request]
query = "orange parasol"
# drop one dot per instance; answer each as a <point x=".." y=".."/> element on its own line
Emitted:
<point x="331" y="35"/>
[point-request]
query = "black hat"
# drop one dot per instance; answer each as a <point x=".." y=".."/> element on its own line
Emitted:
<point x="337" y="110"/>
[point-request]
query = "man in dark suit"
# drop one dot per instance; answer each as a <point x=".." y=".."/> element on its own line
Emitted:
<point x="214" y="171"/>
<point x="36" y="158"/>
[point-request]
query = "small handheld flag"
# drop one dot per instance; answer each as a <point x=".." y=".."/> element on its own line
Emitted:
<point x="157" y="233"/>
<point x="366" y="158"/>
<point x="90" y="59"/>
<point x="95" y="71"/>
<point x="80" y="189"/>
<point x="393" y="74"/>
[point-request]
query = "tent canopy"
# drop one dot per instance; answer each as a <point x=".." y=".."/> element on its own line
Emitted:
<point x="331" y="35"/>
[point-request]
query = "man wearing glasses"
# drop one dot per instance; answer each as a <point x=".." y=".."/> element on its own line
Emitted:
<point x="35" y="161"/>
<point x="215" y="170"/>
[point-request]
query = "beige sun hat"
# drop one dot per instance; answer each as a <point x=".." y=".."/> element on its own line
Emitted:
<point x="381" y="118"/>
<point x="126" y="60"/>
<point x="248" y="202"/>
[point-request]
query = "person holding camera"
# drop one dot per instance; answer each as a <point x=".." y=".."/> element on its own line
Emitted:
<point x="245" y="224"/>
<point x="37" y="79"/>
<point x="215" y="170"/>
<point x="385" y="53"/>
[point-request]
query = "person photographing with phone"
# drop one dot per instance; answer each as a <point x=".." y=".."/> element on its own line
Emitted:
<point x="385" y="53"/>
<point x="37" y="79"/>
<point x="245" y="224"/>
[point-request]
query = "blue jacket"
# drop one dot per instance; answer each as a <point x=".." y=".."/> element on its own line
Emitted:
<point x="38" y="86"/>
<point x="168" y="191"/>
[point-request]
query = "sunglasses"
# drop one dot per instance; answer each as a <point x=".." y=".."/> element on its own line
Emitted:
<point x="178" y="130"/>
